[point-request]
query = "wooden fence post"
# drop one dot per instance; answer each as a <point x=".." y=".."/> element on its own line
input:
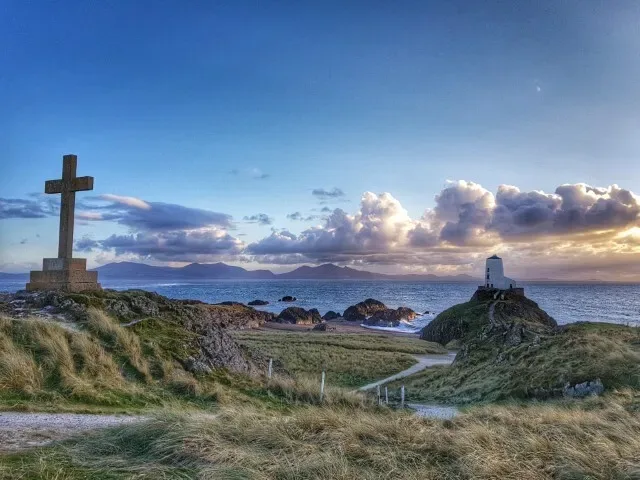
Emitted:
<point x="379" y="401"/>
<point x="402" y="397"/>
<point x="270" y="367"/>
<point x="386" y="395"/>
<point x="322" y="387"/>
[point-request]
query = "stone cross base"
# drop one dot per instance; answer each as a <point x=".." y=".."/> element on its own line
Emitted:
<point x="64" y="274"/>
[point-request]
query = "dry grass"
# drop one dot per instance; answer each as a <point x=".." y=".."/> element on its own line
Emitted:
<point x="598" y="439"/>
<point x="349" y="360"/>
<point x="123" y="341"/>
<point x="18" y="370"/>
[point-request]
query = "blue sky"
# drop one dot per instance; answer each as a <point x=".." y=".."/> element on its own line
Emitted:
<point x="193" y="103"/>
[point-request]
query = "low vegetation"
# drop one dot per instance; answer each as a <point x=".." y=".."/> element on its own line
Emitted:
<point x="349" y="360"/>
<point x="597" y="438"/>
<point x="103" y="367"/>
<point x="578" y="353"/>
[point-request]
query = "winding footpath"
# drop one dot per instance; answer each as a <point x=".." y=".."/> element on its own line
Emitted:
<point x="424" y="361"/>
<point x="19" y="430"/>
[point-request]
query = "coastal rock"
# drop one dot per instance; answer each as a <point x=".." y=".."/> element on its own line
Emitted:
<point x="323" y="327"/>
<point x="130" y="305"/>
<point x="298" y="315"/>
<point x="511" y="320"/>
<point x="585" y="389"/>
<point x="360" y="311"/>
<point x="390" y="317"/>
<point x="255" y="303"/>
<point x="331" y="315"/>
<point x="204" y="326"/>
<point x="288" y="298"/>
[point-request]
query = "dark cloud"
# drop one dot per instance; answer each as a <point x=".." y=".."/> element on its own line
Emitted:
<point x="86" y="244"/>
<point x="23" y="241"/>
<point x="323" y="194"/>
<point x="152" y="216"/>
<point x="259" y="218"/>
<point x="174" y="246"/>
<point x="571" y="209"/>
<point x="297" y="216"/>
<point x="41" y="206"/>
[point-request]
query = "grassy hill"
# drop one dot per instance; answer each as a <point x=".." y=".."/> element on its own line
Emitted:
<point x="209" y="411"/>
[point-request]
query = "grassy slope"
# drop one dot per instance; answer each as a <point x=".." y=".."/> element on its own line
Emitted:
<point x="598" y="438"/>
<point x="580" y="353"/>
<point x="349" y="360"/>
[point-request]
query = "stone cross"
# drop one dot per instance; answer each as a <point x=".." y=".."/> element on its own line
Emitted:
<point x="68" y="185"/>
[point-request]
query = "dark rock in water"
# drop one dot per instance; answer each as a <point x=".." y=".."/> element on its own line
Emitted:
<point x="331" y="315"/>
<point x="255" y="303"/>
<point x="362" y="310"/>
<point x="390" y="317"/>
<point x="288" y="298"/>
<point x="299" y="315"/>
<point x="323" y="327"/>
<point x="230" y="304"/>
<point x="581" y="390"/>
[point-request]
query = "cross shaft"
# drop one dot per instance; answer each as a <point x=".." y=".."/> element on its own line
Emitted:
<point x="68" y="185"/>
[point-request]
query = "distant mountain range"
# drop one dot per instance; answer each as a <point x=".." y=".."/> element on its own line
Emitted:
<point x="222" y="271"/>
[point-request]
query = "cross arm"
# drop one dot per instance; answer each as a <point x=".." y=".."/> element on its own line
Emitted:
<point x="82" y="183"/>
<point x="53" y="186"/>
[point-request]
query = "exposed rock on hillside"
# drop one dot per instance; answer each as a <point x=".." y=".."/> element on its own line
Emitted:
<point x="362" y="310"/>
<point x="299" y="315"/>
<point x="192" y="332"/>
<point x="323" y="327"/>
<point x="513" y="316"/>
<point x="510" y="348"/>
<point x="131" y="305"/>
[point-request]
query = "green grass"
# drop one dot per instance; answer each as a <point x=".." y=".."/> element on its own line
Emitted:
<point x="349" y="360"/>
<point x="595" y="439"/>
<point x="581" y="352"/>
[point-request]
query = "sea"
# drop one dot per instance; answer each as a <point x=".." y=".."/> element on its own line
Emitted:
<point x="567" y="303"/>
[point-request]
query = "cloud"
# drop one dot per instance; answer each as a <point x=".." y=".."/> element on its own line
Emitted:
<point x="323" y="194"/>
<point x="466" y="223"/>
<point x="161" y="231"/>
<point x="86" y="244"/>
<point x="40" y="206"/>
<point x="380" y="224"/>
<point x="251" y="173"/>
<point x="179" y="246"/>
<point x="23" y="241"/>
<point x="259" y="218"/>
<point x="299" y="217"/>
<point x="151" y="216"/>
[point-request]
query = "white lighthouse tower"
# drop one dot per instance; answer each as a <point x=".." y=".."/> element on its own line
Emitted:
<point x="494" y="275"/>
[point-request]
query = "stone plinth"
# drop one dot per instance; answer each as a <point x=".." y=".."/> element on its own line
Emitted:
<point x="64" y="274"/>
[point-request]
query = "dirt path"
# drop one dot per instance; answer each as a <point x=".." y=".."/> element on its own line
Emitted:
<point x="24" y="430"/>
<point x="424" y="361"/>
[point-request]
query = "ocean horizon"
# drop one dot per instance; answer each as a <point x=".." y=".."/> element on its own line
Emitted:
<point x="567" y="302"/>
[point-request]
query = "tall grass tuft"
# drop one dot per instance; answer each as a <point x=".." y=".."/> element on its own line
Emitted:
<point x="121" y="340"/>
<point x="537" y="442"/>
<point x="18" y="370"/>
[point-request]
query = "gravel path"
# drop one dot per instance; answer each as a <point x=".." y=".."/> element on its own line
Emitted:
<point x="424" y="361"/>
<point x="23" y="430"/>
